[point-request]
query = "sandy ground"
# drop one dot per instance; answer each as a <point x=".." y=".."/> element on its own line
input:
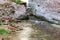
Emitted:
<point x="32" y="31"/>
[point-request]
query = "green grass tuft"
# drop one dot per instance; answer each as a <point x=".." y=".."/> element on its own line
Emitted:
<point x="17" y="1"/>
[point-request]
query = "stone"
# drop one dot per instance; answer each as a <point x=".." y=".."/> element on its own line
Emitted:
<point x="49" y="9"/>
<point x="12" y="9"/>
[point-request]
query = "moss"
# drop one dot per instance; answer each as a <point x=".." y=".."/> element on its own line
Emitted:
<point x="17" y="1"/>
<point x="3" y="32"/>
<point x="0" y="23"/>
<point x="11" y="21"/>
